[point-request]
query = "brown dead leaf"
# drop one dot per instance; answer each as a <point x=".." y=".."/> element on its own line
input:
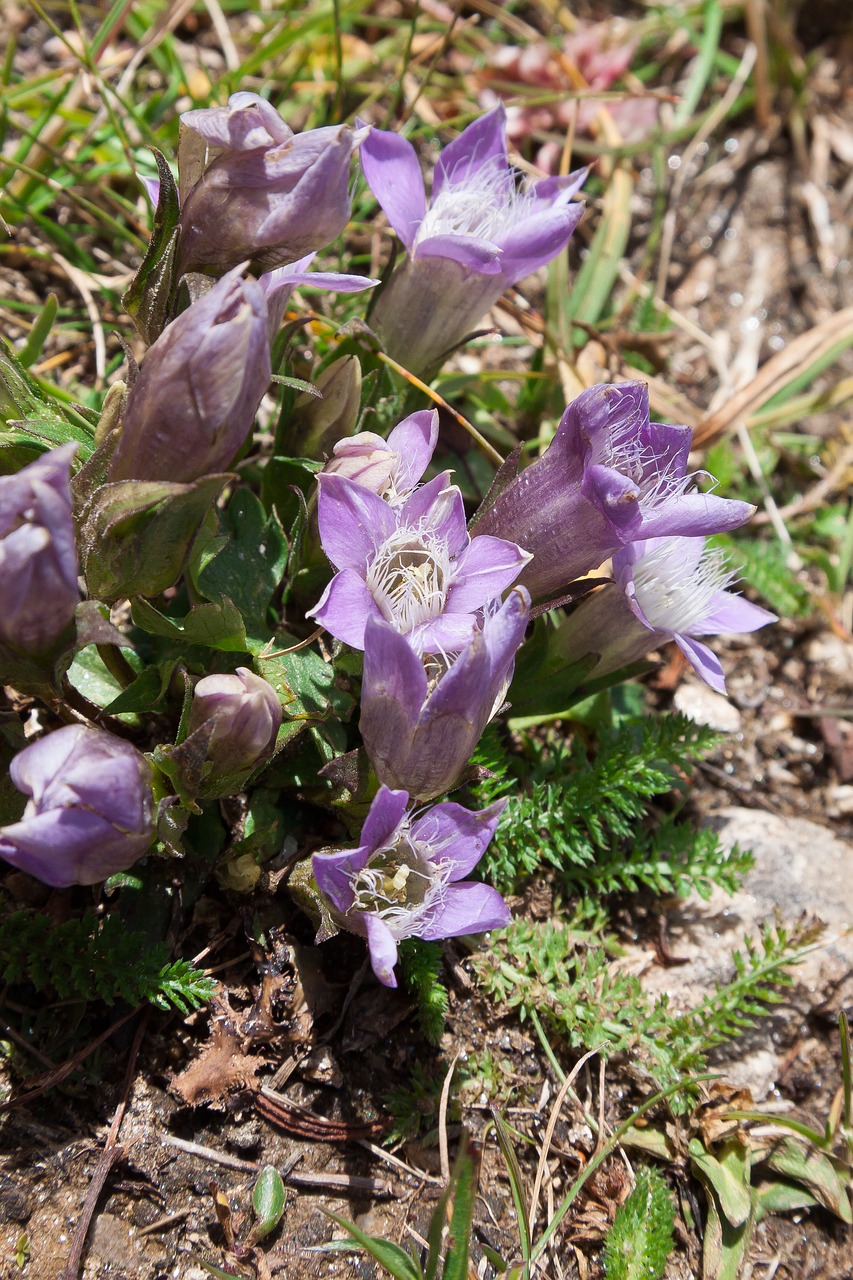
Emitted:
<point x="712" y="1118"/>
<point x="222" y="1067"/>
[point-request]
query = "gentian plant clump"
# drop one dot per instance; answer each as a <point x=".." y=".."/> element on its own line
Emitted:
<point x="307" y="611"/>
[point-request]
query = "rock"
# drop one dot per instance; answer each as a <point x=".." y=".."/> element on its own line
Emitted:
<point x="833" y="654"/>
<point x="801" y="870"/>
<point x="115" y="1242"/>
<point x="701" y="705"/>
<point x="839" y="801"/>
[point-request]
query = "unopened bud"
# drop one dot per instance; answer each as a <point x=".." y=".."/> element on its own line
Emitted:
<point x="245" y="713"/>
<point x="90" y="812"/>
<point x="252" y="190"/>
<point x="198" y="390"/>
<point x="38" y="558"/>
<point x="320" y="420"/>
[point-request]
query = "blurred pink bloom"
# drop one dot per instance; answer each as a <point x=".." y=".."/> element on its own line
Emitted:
<point x="601" y="54"/>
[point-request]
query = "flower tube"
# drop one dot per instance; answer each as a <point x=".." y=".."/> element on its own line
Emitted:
<point x="198" y="390"/>
<point x="420" y="726"/>
<point x="676" y="587"/>
<point x="664" y="589"/>
<point x="405" y="879"/>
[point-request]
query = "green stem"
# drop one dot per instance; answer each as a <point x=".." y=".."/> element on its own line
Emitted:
<point x="117" y="664"/>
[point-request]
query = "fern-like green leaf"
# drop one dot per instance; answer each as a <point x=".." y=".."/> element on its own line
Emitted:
<point x="640" y="1240"/>
<point x="421" y="964"/>
<point x="94" y="958"/>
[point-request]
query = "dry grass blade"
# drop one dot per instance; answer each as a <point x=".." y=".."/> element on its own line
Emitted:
<point x="775" y="375"/>
<point x="549" y="1132"/>
<point x="442" y="1122"/>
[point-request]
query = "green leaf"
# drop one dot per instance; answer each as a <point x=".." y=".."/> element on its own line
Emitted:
<point x="640" y="1240"/>
<point x="399" y="1262"/>
<point x="216" y="626"/>
<point x="725" y="1247"/>
<point x="281" y="478"/>
<point x="305" y="683"/>
<point x="515" y="1183"/>
<point x="249" y="565"/>
<point x="268" y="1201"/>
<point x="32" y="422"/>
<point x="264" y="827"/>
<point x="135" y="535"/>
<point x="776" y="1195"/>
<point x="216" y="1271"/>
<point x="464" y="1184"/>
<point x="729" y="1177"/>
<point x="147" y="692"/>
<point x="90" y="677"/>
<point x="38" y="334"/>
<point x="814" y="1170"/>
<point x="25" y="440"/>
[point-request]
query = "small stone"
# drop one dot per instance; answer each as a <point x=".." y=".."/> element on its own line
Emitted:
<point x="832" y="654"/>
<point x="839" y="801"/>
<point x="701" y="705"/>
<point x="320" y="1067"/>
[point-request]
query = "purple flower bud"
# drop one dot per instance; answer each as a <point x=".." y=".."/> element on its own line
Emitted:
<point x="414" y="566"/>
<point x="245" y="715"/>
<point x="38" y="558"/>
<point x="420" y="726"/>
<point x="405" y="878"/>
<point x="608" y="478"/>
<point x="390" y="468"/>
<point x="90" y="814"/>
<point x="198" y="390"/>
<point x="252" y="190"/>
<point x="479" y="235"/>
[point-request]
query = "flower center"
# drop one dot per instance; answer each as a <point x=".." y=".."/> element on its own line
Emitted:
<point x="399" y="885"/>
<point x="673" y="590"/>
<point x="485" y="204"/>
<point x="410" y="577"/>
<point x="622" y="448"/>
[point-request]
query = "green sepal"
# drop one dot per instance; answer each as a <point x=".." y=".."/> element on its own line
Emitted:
<point x="148" y="300"/>
<point x="135" y="535"/>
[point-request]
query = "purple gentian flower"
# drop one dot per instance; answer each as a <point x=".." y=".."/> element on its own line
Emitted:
<point x="90" y="812"/>
<point x="420" y="726"/>
<point x="199" y="387"/>
<point x="405" y="878"/>
<point x="390" y="468"/>
<point x="252" y="190"/>
<point x="38" y="557"/>
<point x="608" y="478"/>
<point x="479" y="234"/>
<point x="414" y="566"/>
<point x="677" y="588"/>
